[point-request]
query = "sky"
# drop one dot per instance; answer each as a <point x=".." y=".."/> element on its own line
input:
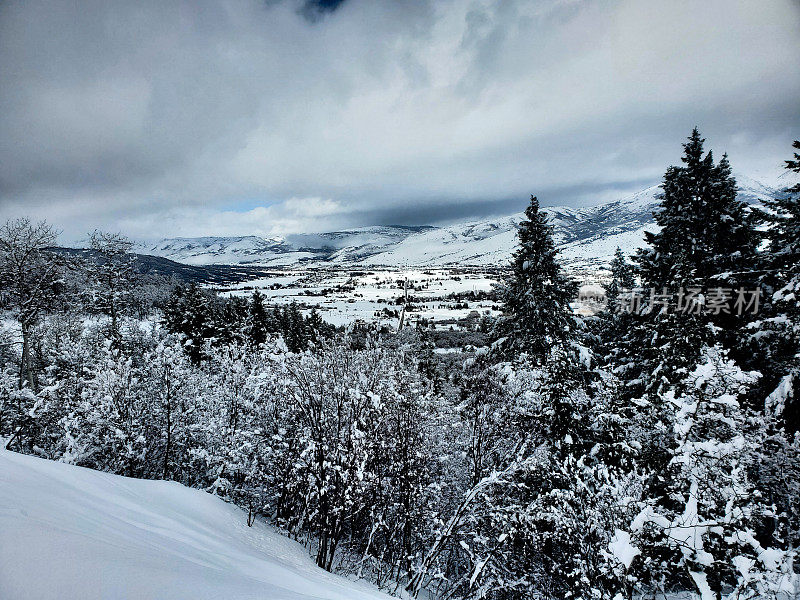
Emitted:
<point x="269" y="117"/>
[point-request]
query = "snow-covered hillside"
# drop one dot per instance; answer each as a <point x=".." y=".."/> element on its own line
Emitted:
<point x="349" y="246"/>
<point x="248" y="249"/>
<point x="72" y="533"/>
<point x="587" y="237"/>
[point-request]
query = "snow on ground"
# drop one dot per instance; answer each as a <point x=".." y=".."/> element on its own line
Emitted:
<point x="479" y="243"/>
<point x="342" y="296"/>
<point x="596" y="253"/>
<point x="72" y="533"/>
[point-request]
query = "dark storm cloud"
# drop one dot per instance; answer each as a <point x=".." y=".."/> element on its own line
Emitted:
<point x="271" y="116"/>
<point x="313" y="10"/>
<point x="443" y="210"/>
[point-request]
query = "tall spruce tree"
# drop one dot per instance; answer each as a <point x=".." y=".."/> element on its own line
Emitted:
<point x="259" y="324"/>
<point x="536" y="294"/>
<point x="113" y="275"/>
<point x="707" y="239"/>
<point x="705" y="231"/>
<point x="784" y="232"/>
<point x="775" y="338"/>
<point x="189" y="312"/>
<point x="623" y="276"/>
<point x="230" y="319"/>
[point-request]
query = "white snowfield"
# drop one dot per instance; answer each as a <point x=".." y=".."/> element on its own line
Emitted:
<point x="72" y="533"/>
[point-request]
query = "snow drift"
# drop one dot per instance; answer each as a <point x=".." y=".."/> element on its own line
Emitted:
<point x="68" y="532"/>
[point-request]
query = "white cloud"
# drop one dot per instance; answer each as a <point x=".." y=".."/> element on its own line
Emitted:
<point x="310" y="215"/>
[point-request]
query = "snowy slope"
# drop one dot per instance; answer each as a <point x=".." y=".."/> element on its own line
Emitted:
<point x="356" y="244"/>
<point x="336" y="246"/>
<point x="587" y="236"/>
<point x="72" y="533"/>
<point x="227" y="250"/>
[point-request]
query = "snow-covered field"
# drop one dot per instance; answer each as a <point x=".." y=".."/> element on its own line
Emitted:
<point x="68" y="533"/>
<point x="342" y="295"/>
<point x="358" y="274"/>
<point x="440" y="296"/>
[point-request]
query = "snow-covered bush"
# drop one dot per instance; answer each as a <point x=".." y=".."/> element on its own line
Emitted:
<point x="706" y="525"/>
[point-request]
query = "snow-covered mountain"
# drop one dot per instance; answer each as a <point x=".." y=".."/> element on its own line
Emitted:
<point x="248" y="249"/>
<point x="587" y="237"/>
<point x="349" y="246"/>
<point x="69" y="533"/>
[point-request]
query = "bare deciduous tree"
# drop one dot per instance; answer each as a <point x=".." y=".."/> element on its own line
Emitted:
<point x="113" y="273"/>
<point x="29" y="275"/>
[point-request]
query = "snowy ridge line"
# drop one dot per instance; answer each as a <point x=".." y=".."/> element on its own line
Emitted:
<point x="587" y="237"/>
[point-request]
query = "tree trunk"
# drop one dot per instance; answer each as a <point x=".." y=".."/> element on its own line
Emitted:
<point x="116" y="337"/>
<point x="25" y="367"/>
<point x="168" y="447"/>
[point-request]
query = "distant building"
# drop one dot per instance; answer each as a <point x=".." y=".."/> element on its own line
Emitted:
<point x="591" y="293"/>
<point x="591" y="300"/>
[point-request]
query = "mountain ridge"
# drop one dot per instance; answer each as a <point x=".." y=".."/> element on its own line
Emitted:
<point x="586" y="236"/>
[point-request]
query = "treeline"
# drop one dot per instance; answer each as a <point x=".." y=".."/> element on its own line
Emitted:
<point x="638" y="452"/>
<point x="204" y="318"/>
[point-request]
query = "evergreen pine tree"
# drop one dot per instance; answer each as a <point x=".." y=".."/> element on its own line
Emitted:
<point x="784" y="233"/>
<point x="258" y="321"/>
<point x="704" y="230"/>
<point x="316" y="328"/>
<point x="543" y="527"/>
<point x="701" y="530"/>
<point x="775" y="339"/>
<point x="295" y="331"/>
<point x="622" y="277"/>
<point x="230" y="319"/>
<point x="189" y="313"/>
<point x="113" y="276"/>
<point x="536" y="295"/>
<point x="707" y="240"/>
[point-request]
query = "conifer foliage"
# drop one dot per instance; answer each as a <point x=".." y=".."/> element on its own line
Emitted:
<point x="623" y="276"/>
<point x="112" y="275"/>
<point x="536" y="295"/>
<point x="784" y="232"/>
<point x="704" y="229"/>
<point x="707" y="241"/>
<point x="775" y="338"/>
